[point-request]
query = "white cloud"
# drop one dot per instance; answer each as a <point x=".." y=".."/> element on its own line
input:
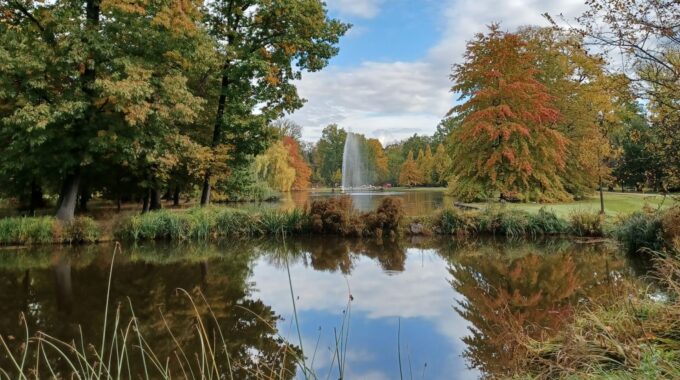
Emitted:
<point x="410" y="97"/>
<point x="421" y="292"/>
<point x="359" y="8"/>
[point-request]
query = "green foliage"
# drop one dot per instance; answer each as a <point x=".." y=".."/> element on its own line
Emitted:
<point x="328" y="153"/>
<point x="547" y="223"/>
<point x="25" y="230"/>
<point x="495" y="221"/>
<point x="47" y="230"/>
<point x="640" y="231"/>
<point x="456" y="222"/>
<point x="81" y="230"/>
<point x="586" y="223"/>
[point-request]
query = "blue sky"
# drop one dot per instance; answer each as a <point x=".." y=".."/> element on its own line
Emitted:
<point x="390" y="79"/>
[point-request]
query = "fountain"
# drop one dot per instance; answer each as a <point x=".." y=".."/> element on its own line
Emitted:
<point x="352" y="165"/>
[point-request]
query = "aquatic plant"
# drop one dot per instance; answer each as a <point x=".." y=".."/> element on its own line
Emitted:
<point x="635" y="336"/>
<point x="586" y="223"/>
<point x="496" y="221"/>
<point x="47" y="230"/>
<point x="456" y="222"/>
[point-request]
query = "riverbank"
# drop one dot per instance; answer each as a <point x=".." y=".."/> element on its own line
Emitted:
<point x="337" y="216"/>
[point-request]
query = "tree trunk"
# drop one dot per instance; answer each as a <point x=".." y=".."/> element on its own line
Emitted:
<point x="68" y="197"/>
<point x="118" y="203"/>
<point x="83" y="199"/>
<point x="155" y="201"/>
<point x="217" y="133"/>
<point x="145" y="203"/>
<point x="36" y="201"/>
<point x="175" y="197"/>
<point x="62" y="284"/>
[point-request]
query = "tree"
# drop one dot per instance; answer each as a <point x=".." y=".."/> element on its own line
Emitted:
<point x="266" y="46"/>
<point x="425" y="164"/>
<point x="297" y="162"/>
<point x="328" y="153"/>
<point x="645" y="34"/>
<point x="441" y="164"/>
<point x="409" y="174"/>
<point x="75" y="72"/>
<point x="378" y="160"/>
<point x="273" y="166"/>
<point x="507" y="142"/>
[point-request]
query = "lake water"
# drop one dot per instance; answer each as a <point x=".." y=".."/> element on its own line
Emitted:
<point x="420" y="202"/>
<point x="433" y="308"/>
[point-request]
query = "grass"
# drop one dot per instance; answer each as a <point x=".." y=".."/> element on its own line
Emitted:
<point x="514" y="223"/>
<point x="47" y="230"/>
<point x="615" y="204"/>
<point x="633" y="336"/>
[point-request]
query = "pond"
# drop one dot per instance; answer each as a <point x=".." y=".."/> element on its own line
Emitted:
<point x="417" y="202"/>
<point x="432" y="308"/>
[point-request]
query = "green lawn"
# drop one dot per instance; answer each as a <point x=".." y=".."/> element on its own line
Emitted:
<point x="614" y="204"/>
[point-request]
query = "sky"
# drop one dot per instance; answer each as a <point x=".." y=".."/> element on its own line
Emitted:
<point x="391" y="77"/>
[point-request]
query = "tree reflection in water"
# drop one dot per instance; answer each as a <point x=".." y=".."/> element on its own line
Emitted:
<point x="332" y="253"/>
<point x="220" y="296"/>
<point x="506" y="291"/>
<point x="514" y="294"/>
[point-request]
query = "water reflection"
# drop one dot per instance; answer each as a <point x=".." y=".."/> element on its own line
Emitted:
<point x="416" y="202"/>
<point x="455" y="307"/>
<point x="149" y="278"/>
<point x="510" y="297"/>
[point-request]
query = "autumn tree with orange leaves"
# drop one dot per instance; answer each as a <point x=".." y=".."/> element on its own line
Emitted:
<point x="295" y="160"/>
<point x="507" y="142"/>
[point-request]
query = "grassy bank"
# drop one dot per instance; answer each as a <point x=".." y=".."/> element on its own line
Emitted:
<point x="334" y="216"/>
<point x="615" y="204"/>
<point x="511" y="223"/>
<point x="337" y="216"/>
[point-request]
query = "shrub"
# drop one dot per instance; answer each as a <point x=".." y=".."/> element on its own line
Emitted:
<point x="511" y="223"/>
<point x="640" y="231"/>
<point x="81" y="230"/>
<point x="456" y="222"/>
<point x="671" y="224"/>
<point x="332" y="216"/>
<point x="385" y="218"/>
<point x="546" y="223"/>
<point x="586" y="223"/>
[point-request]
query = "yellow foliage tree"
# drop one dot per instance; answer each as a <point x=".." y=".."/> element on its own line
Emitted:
<point x="379" y="159"/>
<point x="273" y="166"/>
<point x="409" y="174"/>
<point x="441" y="163"/>
<point x="425" y="164"/>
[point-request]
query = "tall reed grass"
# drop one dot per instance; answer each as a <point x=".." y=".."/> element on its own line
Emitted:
<point x="497" y="221"/>
<point x="47" y="230"/>
<point x="634" y="336"/>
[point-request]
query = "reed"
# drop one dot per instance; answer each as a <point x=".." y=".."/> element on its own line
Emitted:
<point x="636" y="335"/>
<point x="47" y="230"/>
<point x="496" y="221"/>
